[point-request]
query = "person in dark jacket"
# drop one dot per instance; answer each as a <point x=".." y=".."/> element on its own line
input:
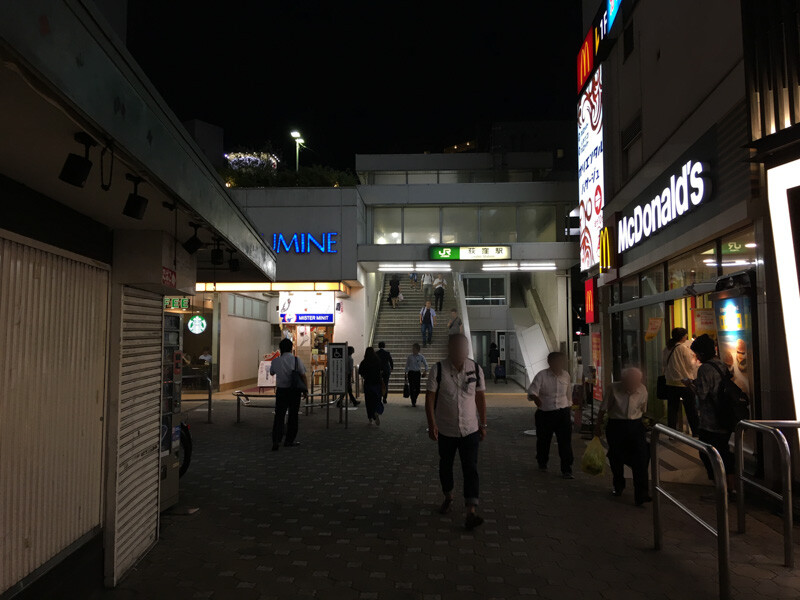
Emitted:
<point x="707" y="389"/>
<point x="394" y="290"/>
<point x="494" y="360"/>
<point x="371" y="371"/>
<point x="388" y="366"/>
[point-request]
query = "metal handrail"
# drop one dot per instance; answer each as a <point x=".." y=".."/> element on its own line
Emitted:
<point x="208" y="385"/>
<point x="243" y="399"/>
<point x="770" y="427"/>
<point x="721" y="532"/>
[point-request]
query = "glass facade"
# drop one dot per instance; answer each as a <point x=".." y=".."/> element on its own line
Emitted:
<point x="421" y="225"/>
<point x="498" y="225"/>
<point x="536" y="224"/>
<point x="485" y="290"/>
<point x="387" y="226"/>
<point x="459" y="225"/>
<point x="693" y="267"/>
<point x="738" y="251"/>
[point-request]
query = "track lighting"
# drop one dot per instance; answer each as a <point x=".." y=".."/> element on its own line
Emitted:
<point x="194" y="243"/>
<point x="76" y="168"/>
<point x="136" y="204"/>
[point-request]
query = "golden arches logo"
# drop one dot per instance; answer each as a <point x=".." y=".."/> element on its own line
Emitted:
<point x="606" y="250"/>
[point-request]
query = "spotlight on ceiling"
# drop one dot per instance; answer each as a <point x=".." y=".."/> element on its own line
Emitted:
<point x="217" y="254"/>
<point x="136" y="204"/>
<point x="194" y="243"/>
<point x="233" y="263"/>
<point x="76" y="168"/>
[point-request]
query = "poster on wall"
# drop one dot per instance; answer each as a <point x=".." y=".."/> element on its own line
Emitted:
<point x="307" y="308"/>
<point x="590" y="169"/>
<point x="597" y="362"/>
<point x="653" y="327"/>
<point x="704" y="322"/>
<point x="735" y="340"/>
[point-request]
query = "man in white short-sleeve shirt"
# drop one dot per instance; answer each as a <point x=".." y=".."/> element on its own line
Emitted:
<point x="455" y="405"/>
<point x="550" y="391"/>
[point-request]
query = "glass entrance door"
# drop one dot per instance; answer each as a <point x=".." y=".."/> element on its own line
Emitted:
<point x="480" y="348"/>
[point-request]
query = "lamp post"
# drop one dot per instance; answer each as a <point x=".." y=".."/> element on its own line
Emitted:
<point x="298" y="141"/>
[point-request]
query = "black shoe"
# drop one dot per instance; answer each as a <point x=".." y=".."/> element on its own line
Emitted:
<point x="616" y="493"/>
<point x="385" y="401"/>
<point x="276" y="447"/>
<point x="472" y="521"/>
<point x="567" y="475"/>
<point x="355" y="402"/>
<point x="339" y="404"/>
<point x="446" y="506"/>
<point x="640" y="501"/>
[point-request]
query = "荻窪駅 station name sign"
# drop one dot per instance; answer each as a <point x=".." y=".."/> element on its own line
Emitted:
<point x="470" y="252"/>
<point x="685" y="190"/>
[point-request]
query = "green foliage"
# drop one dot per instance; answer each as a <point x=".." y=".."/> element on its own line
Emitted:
<point x="264" y="176"/>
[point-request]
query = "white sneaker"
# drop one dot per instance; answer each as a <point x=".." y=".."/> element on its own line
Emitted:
<point x="377" y="420"/>
<point x="371" y="422"/>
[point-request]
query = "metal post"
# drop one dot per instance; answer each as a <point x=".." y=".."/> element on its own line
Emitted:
<point x="238" y="409"/>
<point x="296" y="156"/>
<point x="723" y="531"/>
<point x="210" y="392"/>
<point x="656" y="484"/>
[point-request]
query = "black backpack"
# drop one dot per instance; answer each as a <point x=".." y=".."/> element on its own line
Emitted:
<point x="733" y="404"/>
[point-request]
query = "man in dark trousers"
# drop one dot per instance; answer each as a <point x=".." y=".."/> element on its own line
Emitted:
<point x="427" y="321"/>
<point x="349" y="393"/>
<point x="388" y="366"/>
<point x="455" y="405"/>
<point x="416" y="367"/>
<point x="550" y="391"/>
<point x="287" y="397"/>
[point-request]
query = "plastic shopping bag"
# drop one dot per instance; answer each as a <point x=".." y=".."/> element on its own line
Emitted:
<point x="594" y="458"/>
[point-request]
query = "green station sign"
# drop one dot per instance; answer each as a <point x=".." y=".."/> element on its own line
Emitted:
<point x="470" y="252"/>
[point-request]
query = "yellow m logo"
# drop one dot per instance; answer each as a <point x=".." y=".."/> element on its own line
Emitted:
<point x="606" y="252"/>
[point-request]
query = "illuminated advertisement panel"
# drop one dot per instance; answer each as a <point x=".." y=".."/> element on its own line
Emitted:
<point x="590" y="169"/>
<point x="307" y="308"/>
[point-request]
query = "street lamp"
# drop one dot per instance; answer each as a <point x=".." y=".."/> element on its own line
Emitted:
<point x="298" y="141"/>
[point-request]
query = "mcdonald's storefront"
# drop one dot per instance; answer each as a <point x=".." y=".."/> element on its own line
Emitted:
<point x="685" y="252"/>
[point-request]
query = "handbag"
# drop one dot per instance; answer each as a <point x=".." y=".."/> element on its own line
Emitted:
<point x="406" y="391"/>
<point x="661" y="382"/>
<point x="297" y="380"/>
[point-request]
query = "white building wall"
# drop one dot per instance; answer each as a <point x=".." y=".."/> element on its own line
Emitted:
<point x="243" y="343"/>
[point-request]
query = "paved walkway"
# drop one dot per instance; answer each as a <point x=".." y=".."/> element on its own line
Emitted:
<point x="351" y="515"/>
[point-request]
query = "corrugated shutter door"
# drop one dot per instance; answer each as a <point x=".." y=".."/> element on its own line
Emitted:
<point x="137" y="485"/>
<point x="53" y="342"/>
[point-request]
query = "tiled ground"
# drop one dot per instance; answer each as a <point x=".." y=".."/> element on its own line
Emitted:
<point x="350" y="515"/>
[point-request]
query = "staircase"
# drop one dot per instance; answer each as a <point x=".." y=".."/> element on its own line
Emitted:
<point x="400" y="328"/>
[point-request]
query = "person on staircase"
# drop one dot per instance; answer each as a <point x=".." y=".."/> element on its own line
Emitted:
<point x="416" y="368"/>
<point x="388" y="367"/>
<point x="394" y="291"/>
<point x="427" y="286"/>
<point x="427" y="321"/>
<point x="455" y="325"/>
<point x="439" y="285"/>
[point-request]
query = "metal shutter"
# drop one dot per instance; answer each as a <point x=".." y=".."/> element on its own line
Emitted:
<point x="53" y="343"/>
<point x="136" y="510"/>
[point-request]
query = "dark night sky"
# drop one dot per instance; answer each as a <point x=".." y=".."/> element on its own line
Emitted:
<point x="374" y="78"/>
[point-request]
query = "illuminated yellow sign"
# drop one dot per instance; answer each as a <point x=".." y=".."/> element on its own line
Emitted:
<point x="606" y="251"/>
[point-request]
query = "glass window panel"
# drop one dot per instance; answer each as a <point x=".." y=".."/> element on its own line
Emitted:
<point x="631" y="329"/>
<point x="498" y="287"/>
<point x="654" y="341"/>
<point x="390" y="178"/>
<point x="485" y="290"/>
<point x="630" y="289"/>
<point x="239" y="306"/>
<point x="460" y="225"/>
<point x="421" y="226"/>
<point x="536" y="224"/>
<point x="692" y="267"/>
<point x="422" y="177"/>
<point x="739" y="251"/>
<point x="231" y="304"/>
<point x="386" y="226"/>
<point x="653" y="281"/>
<point x="498" y="224"/>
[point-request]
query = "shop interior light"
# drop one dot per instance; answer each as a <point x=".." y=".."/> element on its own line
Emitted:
<point x="136" y="204"/>
<point x="751" y="245"/>
<point x="194" y="243"/>
<point x="76" y="168"/>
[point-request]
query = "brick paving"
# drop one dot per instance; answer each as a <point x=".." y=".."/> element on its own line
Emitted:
<point x="350" y="514"/>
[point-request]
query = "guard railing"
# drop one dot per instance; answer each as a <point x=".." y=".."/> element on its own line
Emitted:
<point x="772" y="428"/>
<point x="721" y="531"/>
<point x="205" y="380"/>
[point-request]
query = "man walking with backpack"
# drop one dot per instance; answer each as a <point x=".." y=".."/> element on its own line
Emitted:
<point x="287" y="368"/>
<point x="455" y="405"/>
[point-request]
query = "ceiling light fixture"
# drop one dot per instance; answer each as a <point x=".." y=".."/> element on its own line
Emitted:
<point x="136" y="204"/>
<point x="76" y="168"/>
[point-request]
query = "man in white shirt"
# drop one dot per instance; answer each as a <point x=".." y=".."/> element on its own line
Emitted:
<point x="416" y="368"/>
<point x="625" y="402"/>
<point x="427" y="321"/>
<point x="438" y="291"/>
<point x="455" y="405"/>
<point x="427" y="286"/>
<point x="550" y="391"/>
<point x="287" y="397"/>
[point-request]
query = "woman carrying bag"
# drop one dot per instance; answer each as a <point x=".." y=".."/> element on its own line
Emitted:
<point x="680" y="364"/>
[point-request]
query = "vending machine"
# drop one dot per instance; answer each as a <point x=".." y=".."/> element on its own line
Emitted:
<point x="172" y="370"/>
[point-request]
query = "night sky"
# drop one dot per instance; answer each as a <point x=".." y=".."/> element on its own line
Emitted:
<point x="377" y="78"/>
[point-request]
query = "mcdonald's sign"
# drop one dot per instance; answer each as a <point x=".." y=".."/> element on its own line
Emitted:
<point x="585" y="60"/>
<point x="607" y="250"/>
<point x="591" y="300"/>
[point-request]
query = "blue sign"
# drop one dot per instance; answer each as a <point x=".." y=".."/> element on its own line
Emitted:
<point x="304" y="243"/>
<point x="612" y="9"/>
<point x="306" y="318"/>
